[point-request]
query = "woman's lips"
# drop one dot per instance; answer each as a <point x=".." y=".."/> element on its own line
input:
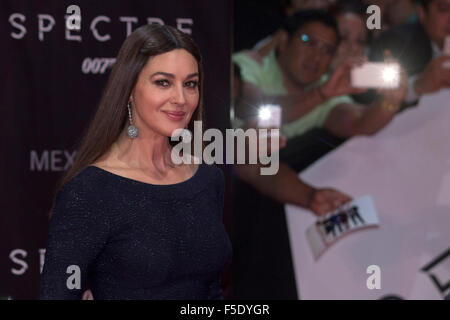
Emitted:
<point x="175" y="115"/>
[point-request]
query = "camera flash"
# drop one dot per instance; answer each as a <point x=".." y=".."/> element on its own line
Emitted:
<point x="269" y="116"/>
<point x="389" y="74"/>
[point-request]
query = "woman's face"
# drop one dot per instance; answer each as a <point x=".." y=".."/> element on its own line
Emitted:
<point x="353" y="33"/>
<point x="166" y="93"/>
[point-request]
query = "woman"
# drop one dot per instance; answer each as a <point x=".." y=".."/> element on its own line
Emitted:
<point x="353" y="33"/>
<point x="134" y="224"/>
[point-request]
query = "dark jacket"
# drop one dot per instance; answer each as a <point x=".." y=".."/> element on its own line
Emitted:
<point x="408" y="43"/>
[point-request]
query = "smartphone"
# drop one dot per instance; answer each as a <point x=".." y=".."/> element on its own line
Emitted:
<point x="446" y="52"/>
<point x="447" y="46"/>
<point x="269" y="116"/>
<point x="376" y="75"/>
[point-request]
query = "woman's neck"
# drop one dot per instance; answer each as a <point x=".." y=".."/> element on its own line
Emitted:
<point x="149" y="152"/>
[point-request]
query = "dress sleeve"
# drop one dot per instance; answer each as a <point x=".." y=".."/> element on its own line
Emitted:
<point x="77" y="233"/>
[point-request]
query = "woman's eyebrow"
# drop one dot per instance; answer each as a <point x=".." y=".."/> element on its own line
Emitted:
<point x="192" y="75"/>
<point x="170" y="75"/>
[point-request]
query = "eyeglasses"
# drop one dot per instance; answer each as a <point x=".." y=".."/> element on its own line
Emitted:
<point x="311" y="42"/>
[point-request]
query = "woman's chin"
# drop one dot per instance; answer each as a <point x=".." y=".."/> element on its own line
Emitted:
<point x="173" y="131"/>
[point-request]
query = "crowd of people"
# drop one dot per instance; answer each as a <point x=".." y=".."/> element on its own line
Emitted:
<point x="305" y="68"/>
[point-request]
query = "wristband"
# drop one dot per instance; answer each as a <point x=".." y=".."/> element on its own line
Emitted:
<point x="389" y="106"/>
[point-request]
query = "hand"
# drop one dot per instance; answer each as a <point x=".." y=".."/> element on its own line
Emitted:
<point x="253" y="124"/>
<point x="326" y="200"/>
<point x="339" y="82"/>
<point x="87" y="295"/>
<point x="434" y="77"/>
<point x="282" y="140"/>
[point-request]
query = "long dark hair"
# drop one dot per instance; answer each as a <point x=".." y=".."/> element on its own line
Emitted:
<point x="111" y="115"/>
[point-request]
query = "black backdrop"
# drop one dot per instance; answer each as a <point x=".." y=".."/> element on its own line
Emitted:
<point x="52" y="80"/>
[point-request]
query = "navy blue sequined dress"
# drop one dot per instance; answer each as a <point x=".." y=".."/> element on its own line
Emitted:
<point x="134" y="240"/>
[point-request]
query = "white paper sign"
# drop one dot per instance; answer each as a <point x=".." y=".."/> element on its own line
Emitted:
<point x="356" y="215"/>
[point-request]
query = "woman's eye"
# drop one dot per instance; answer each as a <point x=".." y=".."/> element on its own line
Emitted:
<point x="191" y="84"/>
<point x="162" y="83"/>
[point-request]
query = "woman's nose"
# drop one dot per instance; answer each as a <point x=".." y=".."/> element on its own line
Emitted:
<point x="178" y="95"/>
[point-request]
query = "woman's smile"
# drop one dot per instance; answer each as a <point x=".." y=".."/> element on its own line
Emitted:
<point x="175" y="115"/>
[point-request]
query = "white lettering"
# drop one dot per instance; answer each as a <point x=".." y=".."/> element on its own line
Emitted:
<point x="181" y="22"/>
<point x="36" y="164"/>
<point x="41" y="259"/>
<point x="246" y="141"/>
<point x="374" y="21"/>
<point x="72" y="24"/>
<point x="129" y="21"/>
<point x="69" y="36"/>
<point x="42" y="27"/>
<point x="374" y="281"/>
<point x="155" y="20"/>
<point x="23" y="30"/>
<point x="69" y="158"/>
<point x="215" y="147"/>
<point x="55" y="158"/>
<point x="74" y="280"/>
<point x="51" y="160"/>
<point x="97" y="36"/>
<point x="181" y="152"/>
<point x="73" y="21"/>
<point x="13" y="256"/>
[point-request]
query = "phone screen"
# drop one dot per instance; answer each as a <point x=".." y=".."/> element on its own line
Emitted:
<point x="376" y="75"/>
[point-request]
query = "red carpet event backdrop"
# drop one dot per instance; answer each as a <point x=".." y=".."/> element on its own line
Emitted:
<point x="52" y="80"/>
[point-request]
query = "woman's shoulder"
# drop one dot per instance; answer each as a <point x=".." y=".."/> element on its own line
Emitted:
<point x="86" y="177"/>
<point x="82" y="202"/>
<point x="85" y="184"/>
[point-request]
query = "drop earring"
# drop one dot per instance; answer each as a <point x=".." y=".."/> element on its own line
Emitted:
<point x="132" y="131"/>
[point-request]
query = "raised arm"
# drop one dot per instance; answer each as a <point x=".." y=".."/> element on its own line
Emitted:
<point x="347" y="120"/>
<point x="286" y="187"/>
<point x="294" y="104"/>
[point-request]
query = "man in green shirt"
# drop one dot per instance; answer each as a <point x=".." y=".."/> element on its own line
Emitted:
<point x="294" y="75"/>
<point x="268" y="78"/>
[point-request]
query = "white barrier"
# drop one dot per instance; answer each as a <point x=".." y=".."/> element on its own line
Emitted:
<point x="405" y="168"/>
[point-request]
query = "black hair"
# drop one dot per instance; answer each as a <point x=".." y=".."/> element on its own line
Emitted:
<point x="349" y="6"/>
<point x="424" y="3"/>
<point x="300" y="18"/>
<point x="357" y="7"/>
